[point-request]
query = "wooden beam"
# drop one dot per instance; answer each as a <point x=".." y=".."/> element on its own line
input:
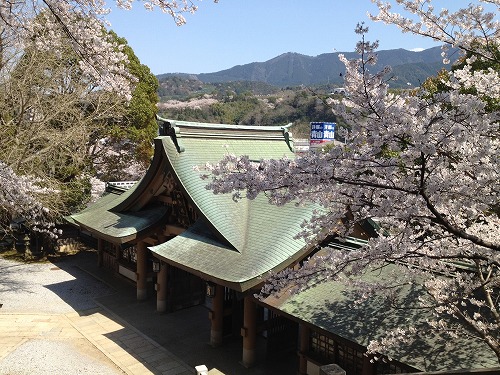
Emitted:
<point x="150" y="241"/>
<point x="172" y="230"/>
<point x="164" y="199"/>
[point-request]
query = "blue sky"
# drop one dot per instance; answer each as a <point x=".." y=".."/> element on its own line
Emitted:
<point x="236" y="32"/>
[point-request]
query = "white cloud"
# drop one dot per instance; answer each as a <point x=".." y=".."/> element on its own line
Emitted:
<point x="418" y="49"/>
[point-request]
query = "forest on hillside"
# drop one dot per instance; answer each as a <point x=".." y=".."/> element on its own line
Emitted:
<point x="244" y="103"/>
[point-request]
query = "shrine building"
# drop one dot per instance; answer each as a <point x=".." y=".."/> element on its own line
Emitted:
<point x="186" y="246"/>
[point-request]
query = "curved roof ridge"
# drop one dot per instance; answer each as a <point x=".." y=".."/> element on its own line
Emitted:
<point x="204" y="125"/>
<point x="243" y="224"/>
<point x="179" y="130"/>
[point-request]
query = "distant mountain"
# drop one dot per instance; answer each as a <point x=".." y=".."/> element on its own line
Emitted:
<point x="293" y="69"/>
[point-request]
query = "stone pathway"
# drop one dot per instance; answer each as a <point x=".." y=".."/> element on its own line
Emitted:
<point x="124" y="347"/>
<point x="70" y="317"/>
<point x="50" y="323"/>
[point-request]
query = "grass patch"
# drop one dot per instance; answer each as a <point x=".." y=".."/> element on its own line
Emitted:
<point x="66" y="248"/>
<point x="11" y="254"/>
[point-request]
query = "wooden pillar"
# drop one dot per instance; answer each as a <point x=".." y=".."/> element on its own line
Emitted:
<point x="100" y="252"/>
<point x="162" y="281"/>
<point x="162" y="288"/>
<point x="117" y="249"/>
<point x="304" y="348"/>
<point x="216" y="316"/>
<point x="249" y="332"/>
<point x="142" y="271"/>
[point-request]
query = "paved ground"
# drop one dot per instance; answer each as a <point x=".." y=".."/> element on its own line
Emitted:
<point x="86" y="322"/>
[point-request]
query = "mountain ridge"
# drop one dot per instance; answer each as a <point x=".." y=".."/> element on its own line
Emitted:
<point x="294" y="69"/>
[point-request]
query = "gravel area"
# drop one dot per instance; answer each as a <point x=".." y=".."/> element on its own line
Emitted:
<point x="40" y="357"/>
<point x="51" y="289"/>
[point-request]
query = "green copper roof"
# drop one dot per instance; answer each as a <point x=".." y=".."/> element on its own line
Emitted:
<point x="260" y="236"/>
<point x="240" y="241"/>
<point x="330" y="305"/>
<point x="113" y="226"/>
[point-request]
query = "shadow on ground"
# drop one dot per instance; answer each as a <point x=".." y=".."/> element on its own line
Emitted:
<point x="183" y="333"/>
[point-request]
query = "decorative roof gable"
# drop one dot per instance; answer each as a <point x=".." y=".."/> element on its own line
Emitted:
<point x="248" y="238"/>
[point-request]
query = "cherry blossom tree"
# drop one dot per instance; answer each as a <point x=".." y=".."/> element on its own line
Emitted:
<point x="50" y="116"/>
<point x="50" y="22"/>
<point x="22" y="199"/>
<point x="61" y="76"/>
<point x="422" y="164"/>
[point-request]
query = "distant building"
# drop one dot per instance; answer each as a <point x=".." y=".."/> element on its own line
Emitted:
<point x="339" y="91"/>
<point x="301" y="145"/>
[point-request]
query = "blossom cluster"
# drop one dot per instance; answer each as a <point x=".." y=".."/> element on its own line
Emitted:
<point x="19" y="201"/>
<point x="422" y="164"/>
<point x="60" y="75"/>
<point x="49" y="22"/>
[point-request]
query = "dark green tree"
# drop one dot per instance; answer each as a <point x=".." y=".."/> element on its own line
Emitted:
<point x="140" y="117"/>
<point x="132" y="133"/>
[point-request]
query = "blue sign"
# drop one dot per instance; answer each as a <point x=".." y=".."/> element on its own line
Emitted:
<point x="322" y="132"/>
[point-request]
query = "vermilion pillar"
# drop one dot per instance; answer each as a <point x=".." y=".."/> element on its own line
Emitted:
<point x="217" y="317"/>
<point x="249" y="332"/>
<point x="142" y="271"/>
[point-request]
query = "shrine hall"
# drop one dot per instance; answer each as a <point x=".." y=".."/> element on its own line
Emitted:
<point x="186" y="246"/>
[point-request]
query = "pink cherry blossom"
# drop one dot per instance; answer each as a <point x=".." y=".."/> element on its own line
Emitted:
<point x="423" y="165"/>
